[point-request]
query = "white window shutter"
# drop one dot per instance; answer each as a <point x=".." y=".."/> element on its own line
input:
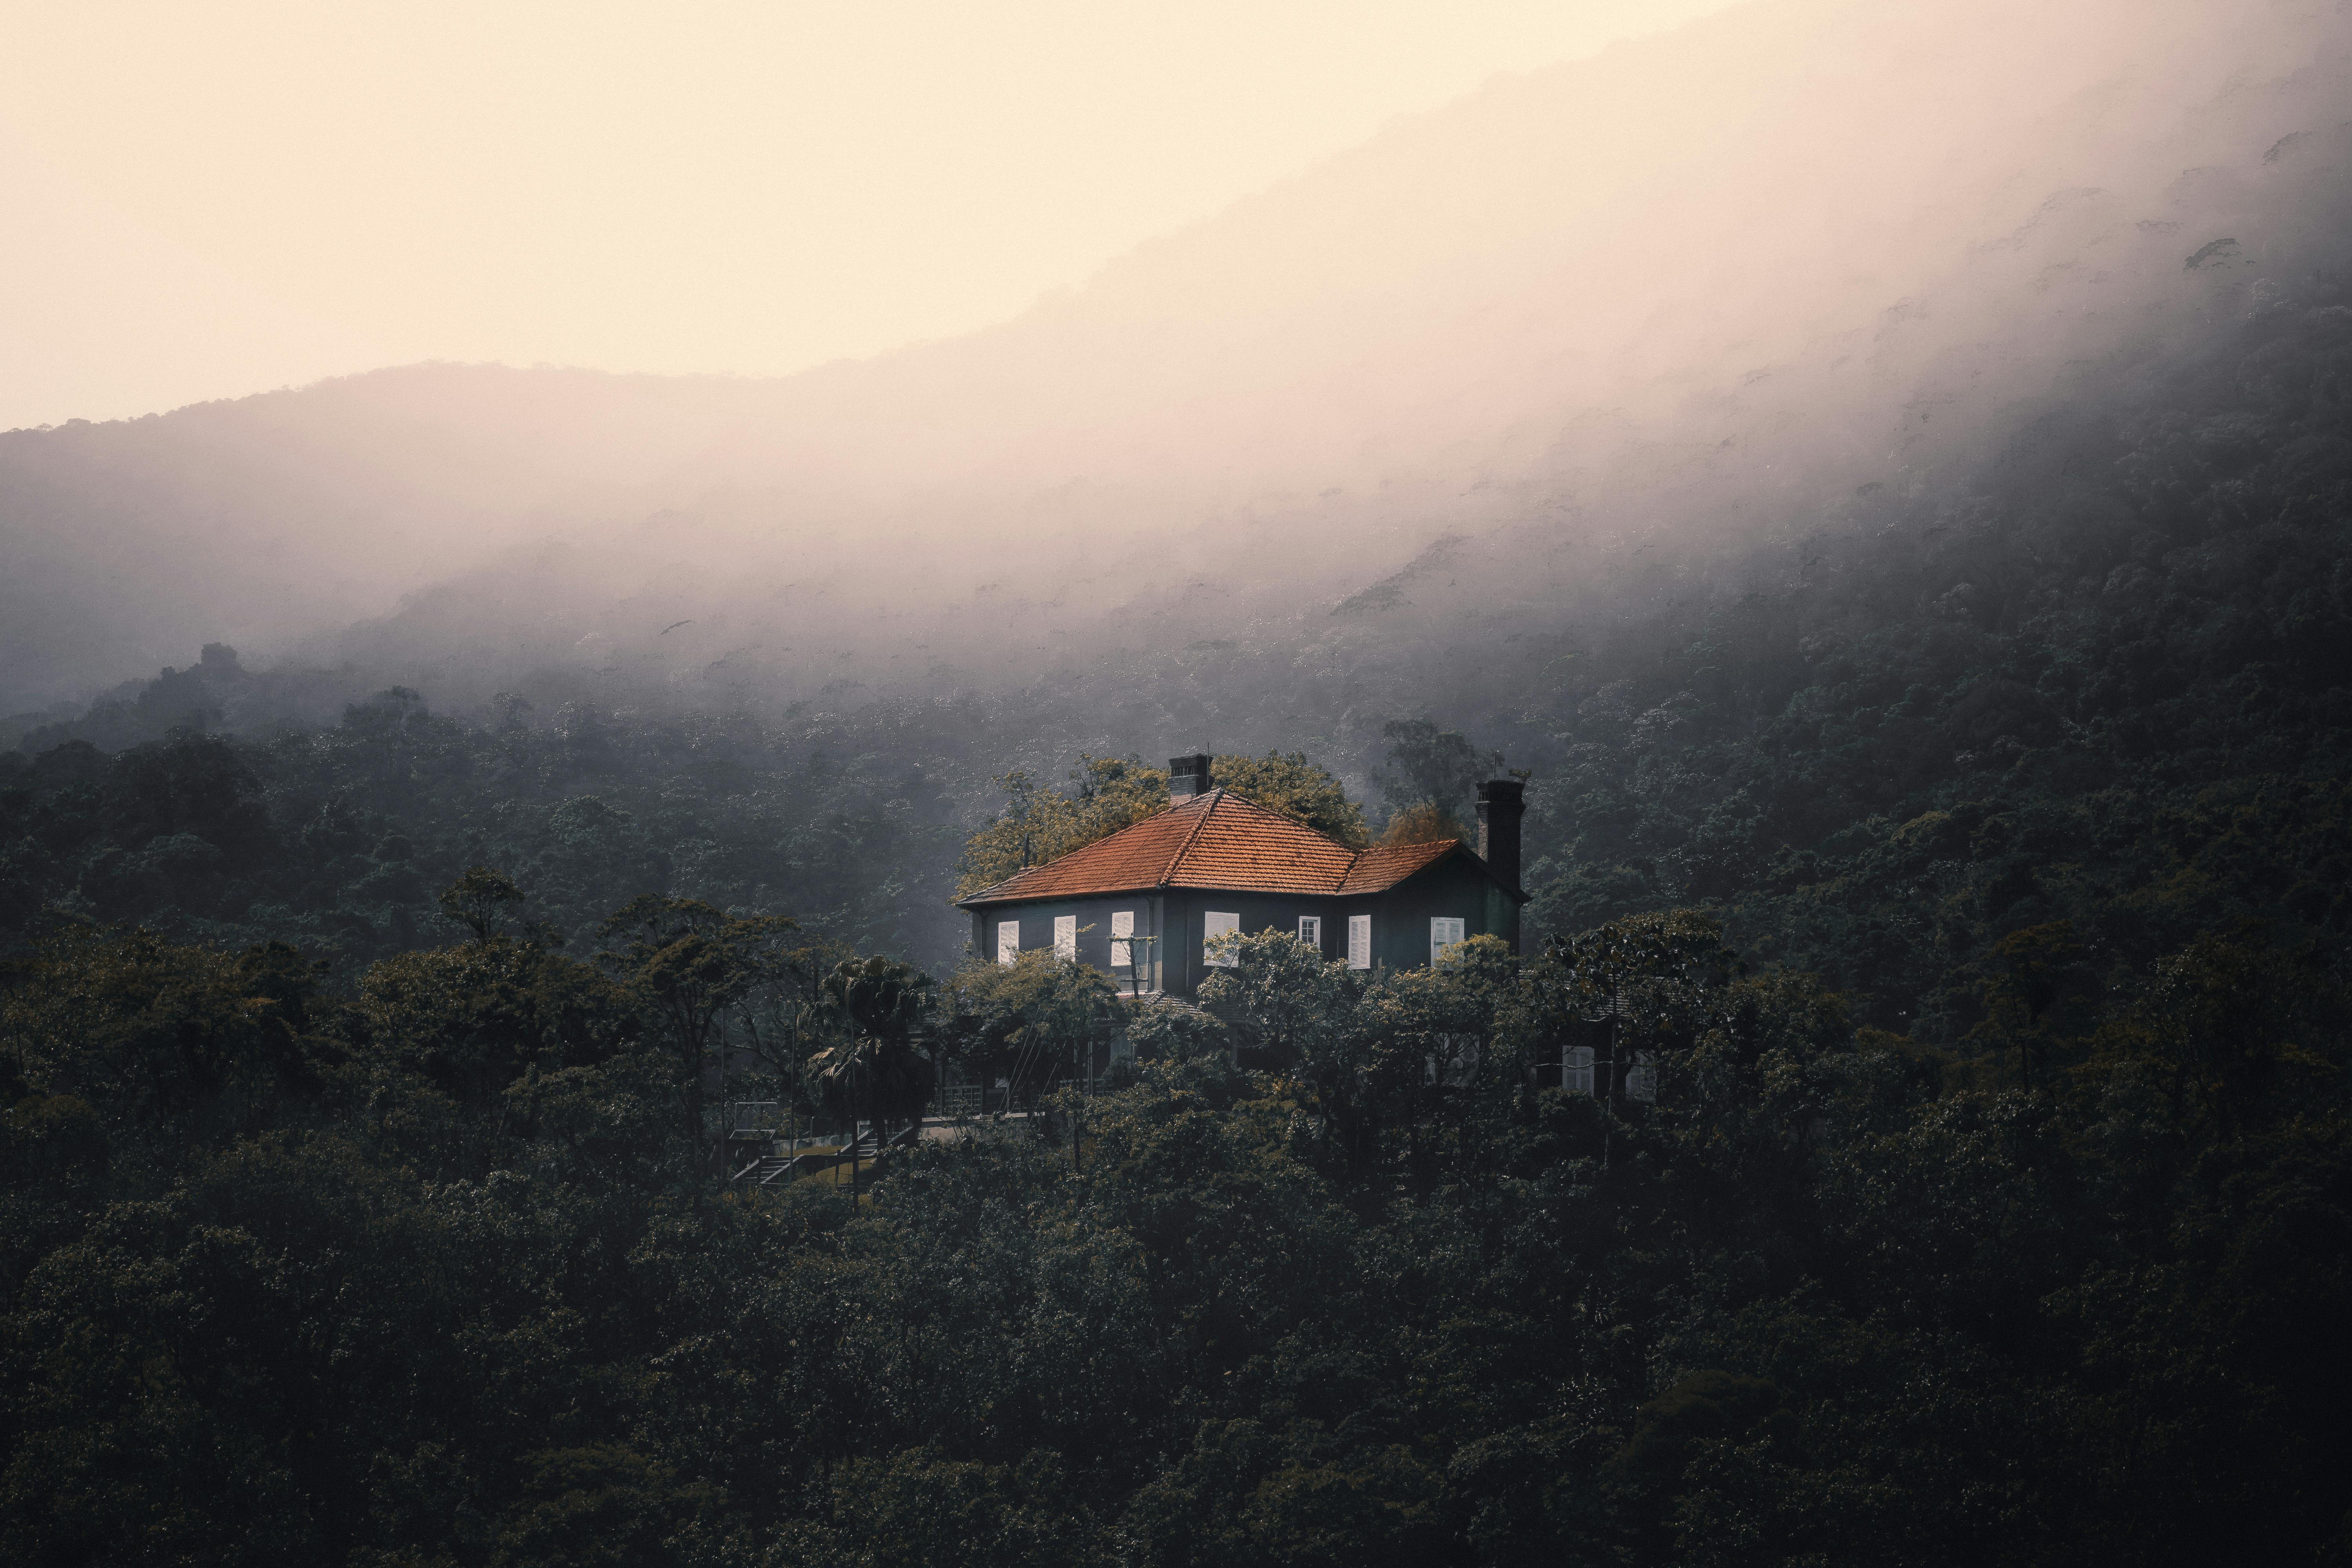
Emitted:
<point x="1359" y="942"/>
<point x="1215" y="925"/>
<point x="1065" y="938"/>
<point x="1576" y="1070"/>
<point x="1008" y="941"/>
<point x="1122" y="949"/>
<point x="1444" y="930"/>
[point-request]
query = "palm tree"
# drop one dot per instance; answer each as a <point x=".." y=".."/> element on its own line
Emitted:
<point x="876" y="1072"/>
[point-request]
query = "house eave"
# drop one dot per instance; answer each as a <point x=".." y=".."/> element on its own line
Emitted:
<point x="984" y="899"/>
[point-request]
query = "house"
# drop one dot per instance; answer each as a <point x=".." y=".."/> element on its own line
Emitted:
<point x="1143" y="904"/>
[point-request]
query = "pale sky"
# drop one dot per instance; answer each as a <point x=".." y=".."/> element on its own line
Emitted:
<point x="205" y="201"/>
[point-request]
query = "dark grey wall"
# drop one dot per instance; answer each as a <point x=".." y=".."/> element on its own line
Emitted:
<point x="1187" y="912"/>
<point x="1401" y="916"/>
<point x="1455" y="887"/>
<point x="1093" y="915"/>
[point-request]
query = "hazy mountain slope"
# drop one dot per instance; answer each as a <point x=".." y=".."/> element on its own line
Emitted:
<point x="1702" y="283"/>
<point x="2103" y="677"/>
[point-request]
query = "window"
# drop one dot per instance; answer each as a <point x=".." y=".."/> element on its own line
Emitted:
<point x="1065" y="938"/>
<point x="1641" y="1080"/>
<point x="1359" y="942"/>
<point x="1122" y="946"/>
<point x="1576" y="1070"/>
<point x="1215" y="925"/>
<point x="1444" y="930"/>
<point x="1310" y="931"/>
<point x="1008" y="941"/>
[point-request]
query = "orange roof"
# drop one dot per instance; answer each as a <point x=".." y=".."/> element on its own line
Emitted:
<point x="1219" y="841"/>
<point x="1241" y="845"/>
<point x="1386" y="865"/>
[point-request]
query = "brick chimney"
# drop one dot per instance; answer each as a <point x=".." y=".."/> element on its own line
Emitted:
<point x="1188" y="777"/>
<point x="1500" y="807"/>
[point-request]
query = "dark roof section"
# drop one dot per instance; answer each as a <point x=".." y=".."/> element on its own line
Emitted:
<point x="1384" y="866"/>
<point x="1221" y="842"/>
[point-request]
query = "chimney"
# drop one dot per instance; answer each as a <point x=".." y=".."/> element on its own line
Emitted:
<point x="1188" y="777"/>
<point x="1500" y="807"/>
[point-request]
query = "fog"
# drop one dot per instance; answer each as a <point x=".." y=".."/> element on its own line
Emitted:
<point x="1595" y="332"/>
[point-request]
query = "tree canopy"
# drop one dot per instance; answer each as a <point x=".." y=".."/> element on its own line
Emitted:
<point x="437" y="1271"/>
<point x="1915" y="1132"/>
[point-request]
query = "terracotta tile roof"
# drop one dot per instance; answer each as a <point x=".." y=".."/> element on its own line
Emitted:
<point x="1218" y="841"/>
<point x="1241" y="846"/>
<point x="1384" y="866"/>
<point x="1138" y="855"/>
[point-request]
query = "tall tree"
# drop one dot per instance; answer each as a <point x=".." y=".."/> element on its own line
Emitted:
<point x="1300" y="789"/>
<point x="876" y="1073"/>
<point x="1429" y="765"/>
<point x="475" y="900"/>
<point x="693" y="964"/>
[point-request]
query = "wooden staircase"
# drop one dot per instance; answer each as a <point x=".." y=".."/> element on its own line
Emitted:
<point x="770" y="1169"/>
<point x="767" y="1169"/>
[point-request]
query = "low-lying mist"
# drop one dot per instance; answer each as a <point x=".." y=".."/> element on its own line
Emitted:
<point x="1881" y="474"/>
<point x="1423" y="416"/>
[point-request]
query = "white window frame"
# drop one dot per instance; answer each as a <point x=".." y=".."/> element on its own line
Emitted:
<point x="1122" y="938"/>
<point x="1008" y="941"/>
<point x="1641" y="1077"/>
<point x="1310" y="931"/>
<point x="1444" y="932"/>
<point x="1359" y="942"/>
<point x="1065" y="938"/>
<point x="1215" y="924"/>
<point x="1576" y="1070"/>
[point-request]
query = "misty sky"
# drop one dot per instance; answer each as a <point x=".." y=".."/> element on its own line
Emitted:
<point x="207" y="201"/>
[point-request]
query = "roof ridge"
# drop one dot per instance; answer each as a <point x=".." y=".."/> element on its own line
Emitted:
<point x="1213" y="797"/>
<point x="1259" y="808"/>
<point x="1225" y="841"/>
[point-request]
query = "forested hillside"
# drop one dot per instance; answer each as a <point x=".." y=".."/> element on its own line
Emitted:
<point x="1963" y="879"/>
<point x="2105" y="682"/>
<point x="431" y="1273"/>
<point x="1918" y="1128"/>
<point x="2101" y="679"/>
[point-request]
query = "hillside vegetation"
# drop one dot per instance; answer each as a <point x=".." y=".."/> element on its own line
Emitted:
<point x="1970" y="870"/>
<point x="2101" y="681"/>
<point x="1917" y="1129"/>
<point x="433" y="1273"/>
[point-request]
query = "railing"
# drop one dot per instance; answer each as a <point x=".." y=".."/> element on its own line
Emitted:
<point x="1029" y="1095"/>
<point x="750" y="1118"/>
<point x="952" y="1100"/>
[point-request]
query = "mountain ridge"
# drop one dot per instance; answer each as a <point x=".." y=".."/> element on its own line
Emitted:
<point x="1494" y="315"/>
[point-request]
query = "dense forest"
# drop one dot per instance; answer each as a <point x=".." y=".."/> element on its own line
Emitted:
<point x="1963" y="880"/>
